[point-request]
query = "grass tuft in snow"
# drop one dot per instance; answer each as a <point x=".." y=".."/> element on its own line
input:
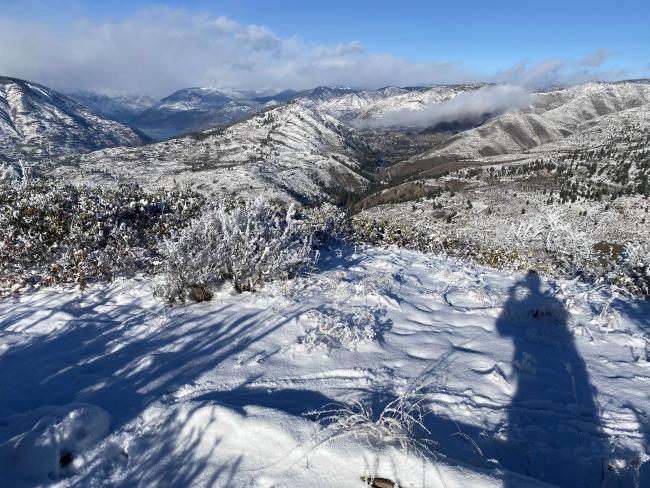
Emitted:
<point x="335" y="329"/>
<point x="399" y="423"/>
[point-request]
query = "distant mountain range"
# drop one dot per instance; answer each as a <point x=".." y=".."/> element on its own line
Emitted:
<point x="122" y="108"/>
<point x="304" y="145"/>
<point x="195" y="109"/>
<point x="376" y="108"/>
<point x="586" y="116"/>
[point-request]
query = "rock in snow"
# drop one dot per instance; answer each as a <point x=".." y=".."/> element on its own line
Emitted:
<point x="57" y="441"/>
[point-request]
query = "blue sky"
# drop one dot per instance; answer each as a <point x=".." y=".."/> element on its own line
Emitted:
<point x="478" y="38"/>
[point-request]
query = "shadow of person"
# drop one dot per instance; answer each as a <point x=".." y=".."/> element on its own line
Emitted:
<point x="553" y="431"/>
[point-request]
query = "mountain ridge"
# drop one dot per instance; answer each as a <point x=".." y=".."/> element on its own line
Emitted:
<point x="36" y="122"/>
<point x="553" y="117"/>
<point x="289" y="151"/>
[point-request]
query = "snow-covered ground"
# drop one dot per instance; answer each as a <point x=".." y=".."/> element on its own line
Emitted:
<point x="521" y="381"/>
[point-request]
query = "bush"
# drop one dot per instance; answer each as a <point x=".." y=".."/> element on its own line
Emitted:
<point x="53" y="234"/>
<point x="248" y="244"/>
<point x="569" y="251"/>
<point x="328" y="224"/>
<point x="632" y="271"/>
<point x="547" y="244"/>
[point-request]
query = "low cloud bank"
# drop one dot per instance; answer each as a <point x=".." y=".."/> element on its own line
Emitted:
<point x="468" y="107"/>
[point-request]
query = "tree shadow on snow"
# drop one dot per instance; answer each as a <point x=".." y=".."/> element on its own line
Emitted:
<point x="292" y="401"/>
<point x="117" y="356"/>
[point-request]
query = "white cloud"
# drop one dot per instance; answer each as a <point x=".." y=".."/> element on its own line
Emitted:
<point x="161" y="50"/>
<point x="349" y="47"/>
<point x="596" y="58"/>
<point x="552" y="72"/>
<point x="466" y="107"/>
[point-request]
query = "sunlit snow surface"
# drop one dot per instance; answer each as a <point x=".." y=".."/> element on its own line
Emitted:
<point x="520" y="380"/>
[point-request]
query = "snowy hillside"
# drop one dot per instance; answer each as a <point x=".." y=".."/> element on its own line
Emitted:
<point x="348" y="106"/>
<point x="552" y="118"/>
<point x="290" y="151"/>
<point x="393" y="101"/>
<point x="520" y="382"/>
<point x="123" y="108"/>
<point x="624" y="126"/>
<point x="36" y="122"/>
<point x="315" y="96"/>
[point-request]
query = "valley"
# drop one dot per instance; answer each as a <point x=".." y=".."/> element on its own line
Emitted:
<point x="577" y="154"/>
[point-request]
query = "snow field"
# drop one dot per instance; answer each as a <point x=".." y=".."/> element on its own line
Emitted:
<point x="520" y="381"/>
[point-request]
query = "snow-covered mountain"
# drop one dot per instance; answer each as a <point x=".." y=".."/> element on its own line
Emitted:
<point x="195" y="109"/>
<point x="559" y="120"/>
<point x="315" y="96"/>
<point x="276" y="98"/>
<point x="37" y="122"/>
<point x="349" y="104"/>
<point x="123" y="108"/>
<point x="290" y="151"/>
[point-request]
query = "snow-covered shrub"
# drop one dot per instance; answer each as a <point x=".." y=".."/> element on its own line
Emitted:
<point x="372" y="283"/>
<point x="608" y="317"/>
<point x="383" y="231"/>
<point x="548" y="243"/>
<point x="328" y="224"/>
<point x="335" y="329"/>
<point x="248" y="243"/>
<point x="8" y="173"/>
<point x="632" y="270"/>
<point x="387" y="232"/>
<point x="570" y="250"/>
<point x="400" y="423"/>
<point x="61" y="234"/>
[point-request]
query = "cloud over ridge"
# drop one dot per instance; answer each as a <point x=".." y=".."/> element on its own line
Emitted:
<point x="466" y="107"/>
